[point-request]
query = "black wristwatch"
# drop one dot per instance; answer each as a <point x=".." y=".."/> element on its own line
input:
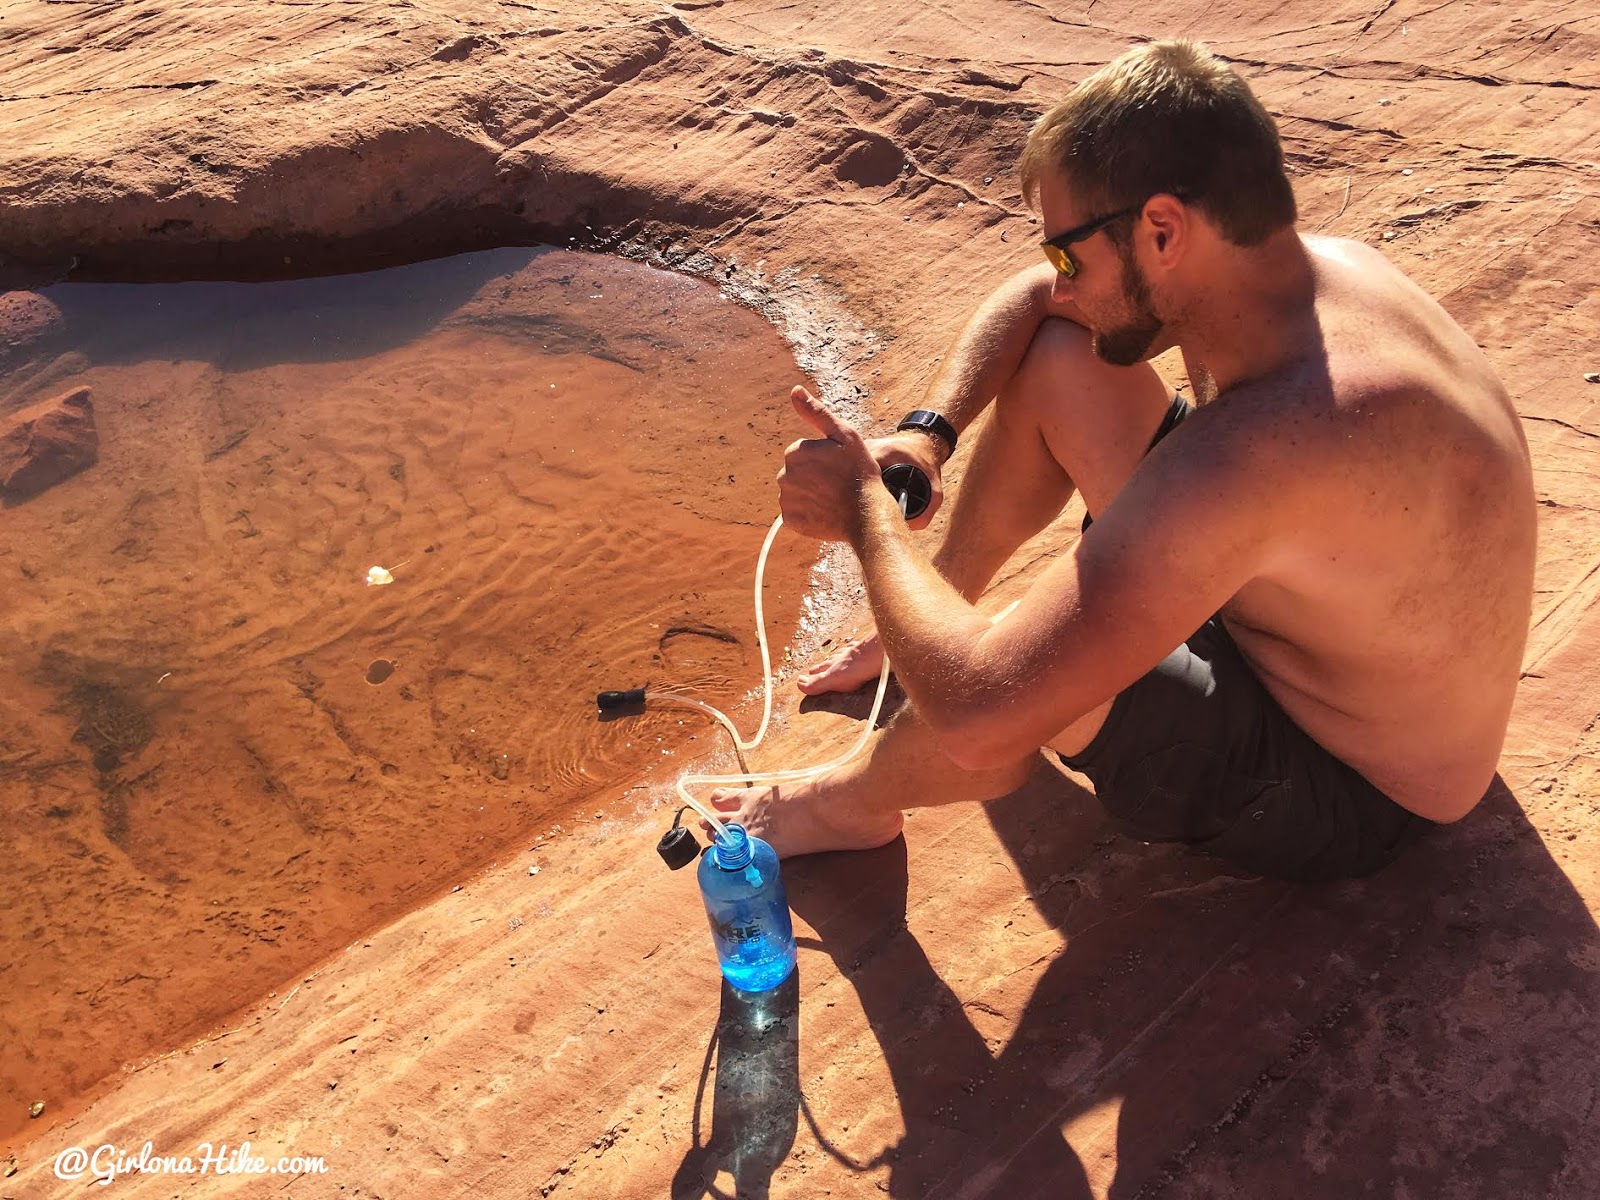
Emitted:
<point x="930" y="422"/>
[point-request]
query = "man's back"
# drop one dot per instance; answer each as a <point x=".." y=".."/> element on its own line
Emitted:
<point x="1390" y="618"/>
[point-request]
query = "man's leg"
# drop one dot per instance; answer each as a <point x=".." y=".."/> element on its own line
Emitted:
<point x="1066" y="419"/>
<point x="1066" y="422"/>
<point x="859" y="805"/>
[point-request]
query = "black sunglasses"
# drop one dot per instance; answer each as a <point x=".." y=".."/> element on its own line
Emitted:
<point x="1055" y="248"/>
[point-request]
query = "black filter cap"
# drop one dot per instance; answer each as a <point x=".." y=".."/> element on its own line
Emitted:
<point x="631" y="700"/>
<point x="678" y="847"/>
<point x="910" y="486"/>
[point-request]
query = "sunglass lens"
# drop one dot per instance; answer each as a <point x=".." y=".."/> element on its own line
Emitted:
<point x="1060" y="260"/>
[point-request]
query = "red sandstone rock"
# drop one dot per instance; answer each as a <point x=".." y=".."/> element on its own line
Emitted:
<point x="26" y="319"/>
<point x="47" y="442"/>
<point x="1010" y="1001"/>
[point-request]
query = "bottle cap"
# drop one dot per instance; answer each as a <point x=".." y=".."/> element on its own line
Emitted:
<point x="677" y="847"/>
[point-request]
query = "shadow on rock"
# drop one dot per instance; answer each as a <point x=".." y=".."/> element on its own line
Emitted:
<point x="245" y="326"/>
<point x="1200" y="1033"/>
<point x="756" y="1097"/>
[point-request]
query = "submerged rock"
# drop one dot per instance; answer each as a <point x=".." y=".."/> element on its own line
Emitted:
<point x="44" y="443"/>
<point x="26" y="320"/>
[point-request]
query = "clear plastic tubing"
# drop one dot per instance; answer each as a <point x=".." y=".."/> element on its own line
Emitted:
<point x="796" y="775"/>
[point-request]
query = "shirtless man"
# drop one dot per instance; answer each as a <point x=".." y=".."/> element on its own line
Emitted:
<point x="1339" y="539"/>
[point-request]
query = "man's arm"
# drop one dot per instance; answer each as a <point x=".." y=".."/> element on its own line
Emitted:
<point x="991" y="345"/>
<point x="979" y="362"/>
<point x="1192" y="526"/>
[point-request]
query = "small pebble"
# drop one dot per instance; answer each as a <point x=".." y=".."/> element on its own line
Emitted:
<point x="1388" y="235"/>
<point x="1406" y="171"/>
<point x="1591" y="376"/>
<point x="533" y="870"/>
<point x="36" y="1109"/>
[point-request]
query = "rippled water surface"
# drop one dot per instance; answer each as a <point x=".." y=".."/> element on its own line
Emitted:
<point x="223" y="751"/>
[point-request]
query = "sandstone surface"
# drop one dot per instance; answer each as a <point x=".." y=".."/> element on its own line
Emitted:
<point x="1010" y="1001"/>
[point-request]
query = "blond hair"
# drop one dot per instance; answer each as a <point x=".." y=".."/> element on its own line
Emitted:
<point x="1167" y="117"/>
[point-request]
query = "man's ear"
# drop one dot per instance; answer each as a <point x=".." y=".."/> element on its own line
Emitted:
<point x="1170" y="222"/>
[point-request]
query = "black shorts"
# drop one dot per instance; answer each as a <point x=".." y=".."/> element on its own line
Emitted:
<point x="1198" y="751"/>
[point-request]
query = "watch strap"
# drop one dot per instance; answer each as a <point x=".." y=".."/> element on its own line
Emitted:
<point x="928" y="421"/>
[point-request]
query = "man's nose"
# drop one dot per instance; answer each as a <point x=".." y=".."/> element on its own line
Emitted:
<point x="1061" y="289"/>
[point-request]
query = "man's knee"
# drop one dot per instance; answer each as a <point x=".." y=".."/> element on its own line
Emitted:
<point x="1061" y="374"/>
<point x="1097" y="419"/>
<point x="1059" y="353"/>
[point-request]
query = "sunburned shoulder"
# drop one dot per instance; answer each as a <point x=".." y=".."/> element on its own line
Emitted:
<point x="1377" y="347"/>
<point x="1358" y="288"/>
<point x="1359" y="291"/>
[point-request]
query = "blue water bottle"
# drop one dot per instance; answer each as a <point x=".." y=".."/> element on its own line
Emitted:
<point x="748" y="910"/>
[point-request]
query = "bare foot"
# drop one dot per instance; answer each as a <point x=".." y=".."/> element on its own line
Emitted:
<point x="846" y="669"/>
<point x="808" y="818"/>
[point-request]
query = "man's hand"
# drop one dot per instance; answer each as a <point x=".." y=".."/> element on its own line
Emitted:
<point x="819" y="488"/>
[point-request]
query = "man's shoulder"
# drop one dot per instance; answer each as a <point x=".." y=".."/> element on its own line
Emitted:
<point x="1300" y="437"/>
<point x="1325" y="411"/>
<point x="1291" y="402"/>
<point x="1344" y="250"/>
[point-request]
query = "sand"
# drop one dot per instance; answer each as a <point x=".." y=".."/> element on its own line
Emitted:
<point x="1010" y="1000"/>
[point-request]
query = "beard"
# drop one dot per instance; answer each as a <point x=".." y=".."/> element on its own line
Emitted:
<point x="1130" y="342"/>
